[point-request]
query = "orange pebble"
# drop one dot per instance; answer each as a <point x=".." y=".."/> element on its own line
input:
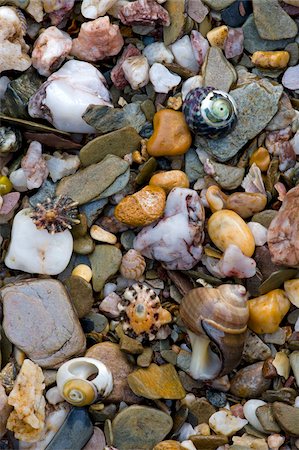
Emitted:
<point x="261" y="158"/>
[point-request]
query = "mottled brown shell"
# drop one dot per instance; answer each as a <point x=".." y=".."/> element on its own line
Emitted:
<point x="141" y="312"/>
<point x="222" y="314"/>
<point x="132" y="265"/>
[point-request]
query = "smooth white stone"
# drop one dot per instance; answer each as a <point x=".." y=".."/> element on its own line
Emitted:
<point x="184" y="55"/>
<point x="249" y="410"/>
<point x="157" y="52"/>
<point x="162" y="79"/>
<point x="92" y="9"/>
<point x="259" y="233"/>
<point x="223" y="422"/>
<point x="37" y="251"/>
<point x="62" y="165"/>
<point x="53" y="396"/>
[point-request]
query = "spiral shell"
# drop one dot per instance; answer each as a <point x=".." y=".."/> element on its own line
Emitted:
<point x="132" y="265"/>
<point x="141" y="312"/>
<point x="209" y="112"/>
<point x="79" y="392"/>
<point x="222" y="314"/>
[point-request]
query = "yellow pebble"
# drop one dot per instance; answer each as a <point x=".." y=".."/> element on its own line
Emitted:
<point x="5" y="185"/>
<point x="291" y="288"/>
<point x="226" y="227"/>
<point x="99" y="234"/>
<point x="246" y="204"/>
<point x="217" y="36"/>
<point x="203" y="429"/>
<point x="216" y="198"/>
<point x="271" y="60"/>
<point x="168" y="445"/>
<point x="261" y="158"/>
<point x="170" y="179"/>
<point x="141" y="208"/>
<point x="267" y="311"/>
<point x="83" y="271"/>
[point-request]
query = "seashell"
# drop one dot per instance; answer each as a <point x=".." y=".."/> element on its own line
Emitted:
<point x="74" y="386"/>
<point x="225" y="227"/>
<point x="141" y="312"/>
<point x="210" y="112"/>
<point x="132" y="265"/>
<point x="219" y="315"/>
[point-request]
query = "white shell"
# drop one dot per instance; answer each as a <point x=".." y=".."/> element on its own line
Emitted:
<point x="162" y="79"/>
<point x="249" y="410"/>
<point x="82" y="368"/>
<point x="37" y="251"/>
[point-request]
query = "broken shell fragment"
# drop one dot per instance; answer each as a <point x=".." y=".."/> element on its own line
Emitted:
<point x="74" y="385"/>
<point x="218" y="315"/>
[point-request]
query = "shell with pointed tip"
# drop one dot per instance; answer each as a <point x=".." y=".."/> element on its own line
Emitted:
<point x="132" y="265"/>
<point x="209" y="112"/>
<point x="222" y="314"/>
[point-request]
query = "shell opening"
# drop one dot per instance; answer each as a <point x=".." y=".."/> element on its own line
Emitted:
<point x="205" y="364"/>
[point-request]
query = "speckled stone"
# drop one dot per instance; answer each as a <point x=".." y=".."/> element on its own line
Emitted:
<point x="272" y="21"/>
<point x="105" y="262"/>
<point x="249" y="382"/>
<point x="140" y="427"/>
<point x="218" y="71"/>
<point x="257" y="103"/>
<point x="116" y="360"/>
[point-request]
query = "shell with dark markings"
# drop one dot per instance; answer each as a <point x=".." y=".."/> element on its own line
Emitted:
<point x="222" y="314"/>
<point x="209" y="112"/>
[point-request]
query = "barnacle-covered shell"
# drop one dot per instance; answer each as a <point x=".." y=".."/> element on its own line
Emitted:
<point x="209" y="112"/>
<point x="132" y="265"/>
<point x="222" y="314"/>
<point x="141" y="312"/>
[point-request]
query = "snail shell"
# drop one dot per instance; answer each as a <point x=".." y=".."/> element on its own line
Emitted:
<point x="74" y="386"/>
<point x="132" y="265"/>
<point x="222" y="314"/>
<point x="209" y="112"/>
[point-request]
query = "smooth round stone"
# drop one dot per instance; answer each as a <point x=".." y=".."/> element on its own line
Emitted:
<point x="287" y="417"/>
<point x="208" y="442"/>
<point x="84" y="245"/>
<point x="99" y="321"/>
<point x="105" y="262"/>
<point x="249" y="382"/>
<point x="80" y="293"/>
<point x="75" y="432"/>
<point x="127" y="239"/>
<point x="81" y="228"/>
<point x="111" y="355"/>
<point x="140" y="427"/>
<point x="157" y="382"/>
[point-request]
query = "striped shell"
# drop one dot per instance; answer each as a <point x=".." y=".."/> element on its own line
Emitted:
<point x="132" y="265"/>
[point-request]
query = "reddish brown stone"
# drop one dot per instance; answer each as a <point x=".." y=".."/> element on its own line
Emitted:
<point x="144" y="12"/>
<point x="117" y="73"/>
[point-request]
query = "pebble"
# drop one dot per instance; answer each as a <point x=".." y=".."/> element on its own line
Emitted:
<point x="272" y="22"/>
<point x="130" y="346"/>
<point x="261" y="158"/>
<point x="92" y="210"/>
<point x="249" y="382"/>
<point x="168" y="445"/>
<point x="266" y="418"/>
<point x="80" y="292"/>
<point x="49" y="312"/>
<point x="208" y="442"/>
<point x="111" y="355"/>
<point x="95" y="179"/>
<point x="237" y="13"/>
<point x="157" y="52"/>
<point x="83" y="271"/>
<point x="218" y="4"/>
<point x="145" y="358"/>
<point x="97" y="440"/>
<point x="290" y="78"/>
<point x="218" y="71"/>
<point x="105" y="262"/>
<point x="201" y="409"/>
<point x="141" y="208"/>
<point x="169" y="180"/>
<point x="271" y="60"/>
<point x="83" y="245"/>
<point x="224" y="423"/>
<point x="171" y="135"/>
<point x="118" y="143"/>
<point x="140" y="427"/>
<point x="249" y="409"/>
<point x="287" y="417"/>
<point x="228" y="177"/>
<point x="217" y="36"/>
<point x="256" y="103"/>
<point x="157" y="382"/>
<point x="105" y="119"/>
<point x="5" y="411"/>
<point x="255" y="349"/>
<point x="99" y="234"/>
<point x="193" y="166"/>
<point x="294" y="361"/>
<point x="162" y="79"/>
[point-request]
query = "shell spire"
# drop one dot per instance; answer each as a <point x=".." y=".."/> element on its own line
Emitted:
<point x="55" y="214"/>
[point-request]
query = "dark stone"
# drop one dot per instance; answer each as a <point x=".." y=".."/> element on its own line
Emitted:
<point x="237" y="13"/>
<point x="216" y="398"/>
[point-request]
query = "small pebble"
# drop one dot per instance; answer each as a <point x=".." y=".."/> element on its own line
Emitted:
<point x="83" y="271"/>
<point x="99" y="234"/>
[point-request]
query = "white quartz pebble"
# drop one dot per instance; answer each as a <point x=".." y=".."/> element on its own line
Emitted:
<point x="223" y="422"/>
<point x="136" y="71"/>
<point x="162" y="79"/>
<point x="259" y="233"/>
<point x="158" y="53"/>
<point x="53" y="396"/>
<point x="184" y="54"/>
<point x="92" y="9"/>
<point x="249" y="410"/>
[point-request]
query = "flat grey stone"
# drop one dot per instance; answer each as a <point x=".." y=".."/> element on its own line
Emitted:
<point x="257" y="103"/>
<point x="253" y="42"/>
<point x="218" y="71"/>
<point x="272" y="22"/>
<point x="40" y="320"/>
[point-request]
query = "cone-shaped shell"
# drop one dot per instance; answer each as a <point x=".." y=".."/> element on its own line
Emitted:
<point x="221" y="314"/>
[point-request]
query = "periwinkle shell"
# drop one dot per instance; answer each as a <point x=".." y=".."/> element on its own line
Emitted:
<point x="209" y="112"/>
